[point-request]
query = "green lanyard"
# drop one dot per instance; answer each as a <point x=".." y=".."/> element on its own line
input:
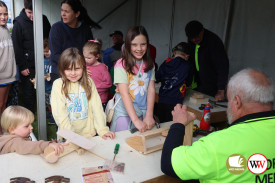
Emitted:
<point x="194" y="83"/>
<point x="196" y="57"/>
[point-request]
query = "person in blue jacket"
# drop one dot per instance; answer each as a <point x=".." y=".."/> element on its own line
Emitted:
<point x="174" y="77"/>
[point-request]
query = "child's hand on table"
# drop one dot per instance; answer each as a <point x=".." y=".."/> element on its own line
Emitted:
<point x="150" y="122"/>
<point x="111" y="135"/>
<point x="58" y="148"/>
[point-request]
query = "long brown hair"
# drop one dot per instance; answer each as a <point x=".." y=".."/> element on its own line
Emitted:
<point x="129" y="60"/>
<point x="69" y="59"/>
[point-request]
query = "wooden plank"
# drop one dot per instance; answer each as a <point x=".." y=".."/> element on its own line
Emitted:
<point x="216" y="117"/>
<point x="188" y="137"/>
<point x="79" y="140"/>
<point x="197" y="113"/>
<point x="141" y="141"/>
<point x="136" y="143"/>
<point x="49" y="153"/>
<point x="153" y="149"/>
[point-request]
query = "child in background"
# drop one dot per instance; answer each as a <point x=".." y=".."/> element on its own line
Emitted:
<point x="17" y="121"/>
<point x="174" y="77"/>
<point x="48" y="83"/>
<point x="134" y="76"/>
<point x="47" y="54"/>
<point x="74" y="98"/>
<point x="96" y="70"/>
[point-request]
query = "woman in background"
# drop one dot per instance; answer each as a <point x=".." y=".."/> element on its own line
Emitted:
<point x="74" y="30"/>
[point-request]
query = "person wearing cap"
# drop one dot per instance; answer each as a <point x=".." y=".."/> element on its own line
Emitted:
<point x="174" y="75"/>
<point x="209" y="60"/>
<point x="114" y="53"/>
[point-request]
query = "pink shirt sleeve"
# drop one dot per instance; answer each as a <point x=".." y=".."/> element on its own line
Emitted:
<point x="106" y="80"/>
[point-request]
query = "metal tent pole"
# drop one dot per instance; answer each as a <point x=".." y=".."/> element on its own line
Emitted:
<point x="39" y="68"/>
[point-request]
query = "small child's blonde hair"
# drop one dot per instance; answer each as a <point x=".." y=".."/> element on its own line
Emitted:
<point x="14" y="116"/>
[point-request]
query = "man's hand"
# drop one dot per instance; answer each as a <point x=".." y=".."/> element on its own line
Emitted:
<point x="25" y="72"/>
<point x="180" y="115"/>
<point x="219" y="95"/>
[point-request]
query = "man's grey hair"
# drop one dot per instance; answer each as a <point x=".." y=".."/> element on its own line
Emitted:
<point x="251" y="89"/>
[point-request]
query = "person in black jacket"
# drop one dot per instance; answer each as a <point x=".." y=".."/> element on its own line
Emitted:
<point x="23" y="42"/>
<point x="209" y="60"/>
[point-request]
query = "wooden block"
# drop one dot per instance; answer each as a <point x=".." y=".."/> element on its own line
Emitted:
<point x="79" y="140"/>
<point x="198" y="96"/>
<point x="49" y="153"/>
<point x="136" y="143"/>
<point x="198" y="101"/>
<point x="216" y="117"/>
<point x="197" y="113"/>
<point x="140" y="142"/>
<point x="188" y="136"/>
<point x="165" y="133"/>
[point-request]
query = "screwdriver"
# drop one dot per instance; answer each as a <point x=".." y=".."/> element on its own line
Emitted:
<point x="116" y="151"/>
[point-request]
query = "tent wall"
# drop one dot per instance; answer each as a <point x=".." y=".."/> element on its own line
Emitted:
<point x="251" y="42"/>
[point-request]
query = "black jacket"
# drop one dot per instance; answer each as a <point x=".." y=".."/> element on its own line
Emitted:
<point x="173" y="74"/>
<point x="23" y="41"/>
<point x="213" y="64"/>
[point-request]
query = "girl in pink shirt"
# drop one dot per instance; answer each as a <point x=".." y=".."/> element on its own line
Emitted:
<point x="96" y="70"/>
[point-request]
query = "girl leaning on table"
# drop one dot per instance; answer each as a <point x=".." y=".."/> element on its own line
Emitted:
<point x="75" y="102"/>
<point x="134" y="76"/>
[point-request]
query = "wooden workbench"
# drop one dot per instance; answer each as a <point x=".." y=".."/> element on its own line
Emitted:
<point x="218" y="114"/>
<point x="138" y="167"/>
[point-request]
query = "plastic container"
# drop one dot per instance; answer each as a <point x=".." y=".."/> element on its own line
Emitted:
<point x="205" y="120"/>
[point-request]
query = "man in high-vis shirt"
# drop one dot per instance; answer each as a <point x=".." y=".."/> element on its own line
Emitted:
<point x="227" y="155"/>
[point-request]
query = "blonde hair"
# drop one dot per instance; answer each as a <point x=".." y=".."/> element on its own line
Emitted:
<point x="93" y="47"/>
<point x="69" y="59"/>
<point x="14" y="116"/>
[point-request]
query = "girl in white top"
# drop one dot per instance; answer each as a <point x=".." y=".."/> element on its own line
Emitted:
<point x="76" y="105"/>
